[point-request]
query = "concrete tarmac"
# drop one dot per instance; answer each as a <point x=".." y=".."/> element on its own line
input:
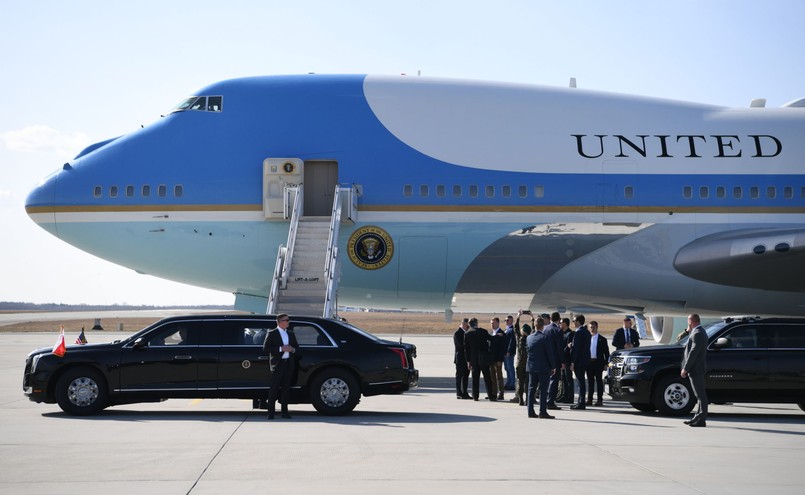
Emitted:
<point x="425" y="441"/>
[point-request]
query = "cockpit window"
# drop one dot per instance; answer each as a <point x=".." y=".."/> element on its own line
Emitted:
<point x="214" y="103"/>
<point x="200" y="104"/>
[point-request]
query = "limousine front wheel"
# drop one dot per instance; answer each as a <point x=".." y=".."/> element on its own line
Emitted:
<point x="335" y="392"/>
<point x="81" y="392"/>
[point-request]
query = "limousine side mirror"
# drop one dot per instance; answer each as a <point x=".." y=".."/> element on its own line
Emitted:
<point x="139" y="343"/>
<point x="722" y="342"/>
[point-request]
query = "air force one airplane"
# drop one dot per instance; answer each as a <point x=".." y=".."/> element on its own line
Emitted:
<point x="449" y="195"/>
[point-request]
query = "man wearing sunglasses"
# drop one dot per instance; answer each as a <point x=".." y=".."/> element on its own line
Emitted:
<point x="281" y="346"/>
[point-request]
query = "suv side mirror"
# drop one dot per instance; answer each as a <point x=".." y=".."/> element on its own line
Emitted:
<point x="722" y="342"/>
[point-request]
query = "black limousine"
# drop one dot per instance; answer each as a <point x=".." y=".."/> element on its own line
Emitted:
<point x="221" y="356"/>
<point x="749" y="359"/>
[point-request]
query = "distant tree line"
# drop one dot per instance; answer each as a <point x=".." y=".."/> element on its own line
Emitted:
<point x="26" y="306"/>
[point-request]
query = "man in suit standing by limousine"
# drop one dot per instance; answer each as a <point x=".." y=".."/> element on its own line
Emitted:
<point x="281" y="346"/>
<point x="694" y="366"/>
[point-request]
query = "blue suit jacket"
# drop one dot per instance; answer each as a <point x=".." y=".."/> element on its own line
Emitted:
<point x="541" y="358"/>
<point x="580" y="355"/>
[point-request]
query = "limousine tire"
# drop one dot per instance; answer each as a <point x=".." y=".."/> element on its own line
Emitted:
<point x="81" y="392"/>
<point x="335" y="392"/>
<point x="673" y="396"/>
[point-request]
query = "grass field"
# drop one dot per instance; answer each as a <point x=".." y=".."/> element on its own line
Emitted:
<point x="375" y="322"/>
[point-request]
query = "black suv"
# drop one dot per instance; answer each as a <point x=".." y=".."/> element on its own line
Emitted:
<point x="221" y="356"/>
<point x="749" y="359"/>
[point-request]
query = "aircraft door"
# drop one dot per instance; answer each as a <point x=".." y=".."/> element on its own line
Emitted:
<point x="319" y="182"/>
<point x="277" y="173"/>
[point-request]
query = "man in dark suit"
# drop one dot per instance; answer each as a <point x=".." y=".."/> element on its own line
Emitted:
<point x="511" y="351"/>
<point x="460" y="360"/>
<point x="599" y="357"/>
<point x="694" y="366"/>
<point x="541" y="365"/>
<point x="626" y="337"/>
<point x="554" y="333"/>
<point x="281" y="346"/>
<point x="567" y="375"/>
<point x="476" y="350"/>
<point x="580" y="358"/>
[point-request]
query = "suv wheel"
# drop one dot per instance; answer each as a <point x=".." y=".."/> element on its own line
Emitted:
<point x="335" y="392"/>
<point x="81" y="392"/>
<point x="673" y="396"/>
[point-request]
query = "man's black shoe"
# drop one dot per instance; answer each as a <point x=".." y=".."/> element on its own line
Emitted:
<point x="466" y="396"/>
<point x="578" y="406"/>
<point x="545" y="416"/>
<point x="532" y="415"/>
<point x="553" y="407"/>
<point x="688" y="421"/>
<point x="698" y="424"/>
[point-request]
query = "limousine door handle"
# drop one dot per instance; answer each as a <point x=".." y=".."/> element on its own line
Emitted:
<point x="263" y="358"/>
<point x="183" y="357"/>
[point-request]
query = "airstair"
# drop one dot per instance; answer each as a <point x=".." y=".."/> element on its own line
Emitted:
<point x="308" y="268"/>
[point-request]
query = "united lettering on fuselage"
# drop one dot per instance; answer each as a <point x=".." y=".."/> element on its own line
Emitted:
<point x="668" y="146"/>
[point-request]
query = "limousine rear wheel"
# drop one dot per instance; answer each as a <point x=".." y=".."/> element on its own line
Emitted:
<point x="673" y="396"/>
<point x="335" y="392"/>
<point x="81" y="391"/>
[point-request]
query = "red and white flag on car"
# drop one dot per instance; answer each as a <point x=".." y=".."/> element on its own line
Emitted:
<point x="60" y="348"/>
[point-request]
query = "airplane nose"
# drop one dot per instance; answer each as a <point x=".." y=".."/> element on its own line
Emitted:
<point x="41" y="201"/>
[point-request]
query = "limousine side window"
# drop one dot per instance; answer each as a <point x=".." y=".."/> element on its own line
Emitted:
<point x="310" y="335"/>
<point x="176" y="334"/>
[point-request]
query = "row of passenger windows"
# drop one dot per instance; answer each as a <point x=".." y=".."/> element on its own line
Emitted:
<point x="145" y="191"/>
<point x="473" y="191"/>
<point x="704" y="192"/>
<point x="753" y="192"/>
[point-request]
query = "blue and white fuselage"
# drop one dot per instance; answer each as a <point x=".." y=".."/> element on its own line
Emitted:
<point x="496" y="196"/>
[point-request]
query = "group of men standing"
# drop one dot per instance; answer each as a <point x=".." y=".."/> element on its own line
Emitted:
<point x="539" y="359"/>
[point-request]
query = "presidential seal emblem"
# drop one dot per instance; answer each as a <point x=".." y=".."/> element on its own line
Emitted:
<point x="370" y="248"/>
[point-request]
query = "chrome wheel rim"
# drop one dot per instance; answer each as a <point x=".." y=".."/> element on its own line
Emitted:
<point x="334" y="392"/>
<point x="82" y="391"/>
<point x="677" y="396"/>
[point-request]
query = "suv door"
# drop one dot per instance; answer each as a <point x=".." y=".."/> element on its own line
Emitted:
<point x="738" y="371"/>
<point x="787" y="361"/>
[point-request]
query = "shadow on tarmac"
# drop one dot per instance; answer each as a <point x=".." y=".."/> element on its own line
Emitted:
<point x="358" y="417"/>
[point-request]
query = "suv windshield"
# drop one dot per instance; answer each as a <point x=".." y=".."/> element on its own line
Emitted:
<point x="711" y="329"/>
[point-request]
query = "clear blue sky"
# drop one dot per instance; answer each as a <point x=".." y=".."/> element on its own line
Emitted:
<point x="74" y="73"/>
